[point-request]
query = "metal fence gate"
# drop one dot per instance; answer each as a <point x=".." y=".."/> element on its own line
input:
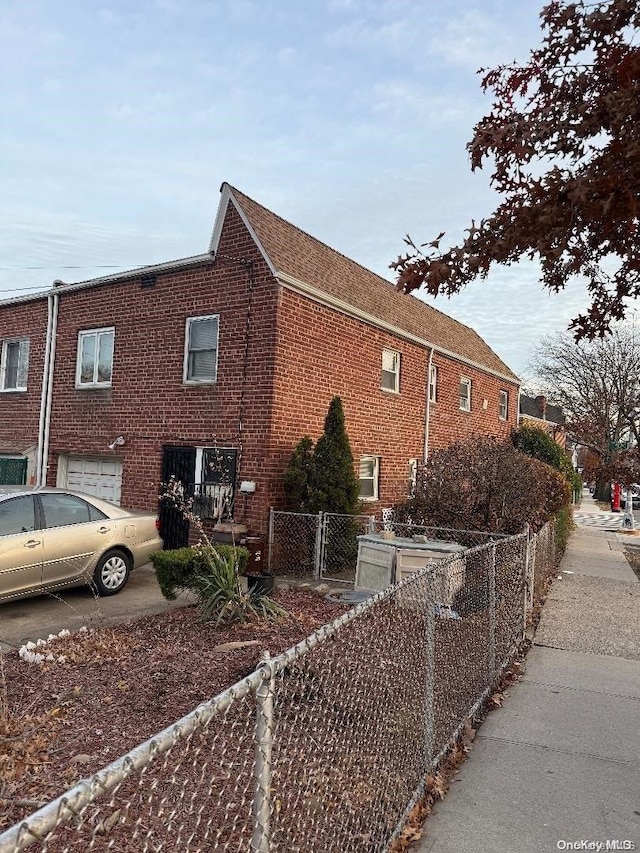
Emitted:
<point x="322" y="546"/>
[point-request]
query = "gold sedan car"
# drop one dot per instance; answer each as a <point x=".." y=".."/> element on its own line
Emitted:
<point x="50" y="539"/>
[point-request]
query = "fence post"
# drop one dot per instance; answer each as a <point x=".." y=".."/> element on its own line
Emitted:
<point x="528" y="584"/>
<point x="492" y="615"/>
<point x="372" y="524"/>
<point x="319" y="548"/>
<point x="261" y="805"/>
<point x="430" y="641"/>
<point x="270" y="536"/>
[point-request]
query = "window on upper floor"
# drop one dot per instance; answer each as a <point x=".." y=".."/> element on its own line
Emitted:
<point x="390" y="377"/>
<point x="95" y="358"/>
<point x="14" y="364"/>
<point x="201" y="349"/>
<point x="433" y="383"/>
<point x="503" y="405"/>
<point x="465" y="394"/>
<point x="368" y="477"/>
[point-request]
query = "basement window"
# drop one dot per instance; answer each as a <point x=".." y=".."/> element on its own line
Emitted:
<point x="369" y="474"/>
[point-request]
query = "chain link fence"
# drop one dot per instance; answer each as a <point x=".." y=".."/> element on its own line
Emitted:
<point x="325" y="747"/>
<point x="543" y="561"/>
<point x="325" y="546"/>
<point x="294" y="544"/>
<point x="339" y="544"/>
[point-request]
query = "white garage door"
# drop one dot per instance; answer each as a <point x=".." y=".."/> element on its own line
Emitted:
<point x="99" y="477"/>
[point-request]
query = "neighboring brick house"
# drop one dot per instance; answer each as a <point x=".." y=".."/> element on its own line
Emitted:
<point x="241" y="349"/>
<point x="538" y="412"/>
<point x="23" y="331"/>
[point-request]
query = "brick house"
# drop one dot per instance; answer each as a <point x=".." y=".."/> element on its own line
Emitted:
<point x="538" y="412"/>
<point x="212" y="368"/>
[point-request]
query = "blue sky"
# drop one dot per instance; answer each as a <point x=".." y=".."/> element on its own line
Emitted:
<point x="120" y="120"/>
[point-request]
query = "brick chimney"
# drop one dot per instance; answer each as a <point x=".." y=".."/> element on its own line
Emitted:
<point x="541" y="403"/>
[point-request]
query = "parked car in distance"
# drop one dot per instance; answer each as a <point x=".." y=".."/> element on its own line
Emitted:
<point x="635" y="500"/>
<point x="52" y="539"/>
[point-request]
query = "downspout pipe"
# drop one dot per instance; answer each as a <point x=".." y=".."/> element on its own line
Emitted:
<point x="49" y="398"/>
<point x="427" y="407"/>
<point x="43" y="392"/>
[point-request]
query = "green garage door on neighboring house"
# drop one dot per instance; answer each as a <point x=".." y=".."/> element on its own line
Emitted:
<point x="13" y="472"/>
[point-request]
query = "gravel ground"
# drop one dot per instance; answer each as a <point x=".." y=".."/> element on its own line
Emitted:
<point x="593" y="615"/>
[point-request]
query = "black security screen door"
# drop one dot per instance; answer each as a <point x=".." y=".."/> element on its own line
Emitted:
<point x="180" y="463"/>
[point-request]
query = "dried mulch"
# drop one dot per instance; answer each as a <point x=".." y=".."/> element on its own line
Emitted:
<point x="62" y="722"/>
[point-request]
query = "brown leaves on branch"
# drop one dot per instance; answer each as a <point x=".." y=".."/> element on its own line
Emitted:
<point x="564" y="138"/>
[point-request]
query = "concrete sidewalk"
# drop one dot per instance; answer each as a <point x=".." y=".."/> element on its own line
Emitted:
<point x="559" y="763"/>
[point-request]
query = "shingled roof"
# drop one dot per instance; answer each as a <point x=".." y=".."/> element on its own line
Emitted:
<point x="297" y="255"/>
<point x="539" y="408"/>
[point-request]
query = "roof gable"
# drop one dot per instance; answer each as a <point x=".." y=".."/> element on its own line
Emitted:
<point x="293" y="253"/>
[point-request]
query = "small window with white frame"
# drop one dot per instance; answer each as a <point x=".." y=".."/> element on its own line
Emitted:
<point x="369" y="474"/>
<point x="433" y="383"/>
<point x="201" y="349"/>
<point x="95" y="358"/>
<point x="14" y="364"/>
<point x="465" y="394"/>
<point x="503" y="407"/>
<point x="390" y="377"/>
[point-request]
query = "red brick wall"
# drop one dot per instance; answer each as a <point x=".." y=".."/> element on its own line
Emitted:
<point x="20" y="410"/>
<point x="321" y="353"/>
<point x="449" y="423"/>
<point x="148" y="403"/>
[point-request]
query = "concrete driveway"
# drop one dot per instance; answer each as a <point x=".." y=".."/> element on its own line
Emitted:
<point x="32" y="618"/>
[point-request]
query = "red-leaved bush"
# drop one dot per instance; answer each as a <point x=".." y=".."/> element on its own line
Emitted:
<point x="484" y="483"/>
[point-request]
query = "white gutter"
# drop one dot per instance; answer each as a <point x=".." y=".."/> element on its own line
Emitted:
<point x="427" y="407"/>
<point x="26" y="297"/>
<point x="47" y="414"/>
<point x="134" y="273"/>
<point x="324" y="298"/>
<point x="43" y="394"/>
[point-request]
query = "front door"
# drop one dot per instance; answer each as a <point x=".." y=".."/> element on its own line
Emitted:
<point x="180" y="463"/>
<point x="20" y="546"/>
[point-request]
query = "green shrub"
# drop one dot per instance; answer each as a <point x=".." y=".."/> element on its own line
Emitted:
<point x="178" y="569"/>
<point x="212" y="574"/>
<point x="564" y="527"/>
<point x="220" y="596"/>
<point x="334" y="487"/>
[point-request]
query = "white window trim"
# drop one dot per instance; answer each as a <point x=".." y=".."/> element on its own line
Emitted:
<point x="3" y="365"/>
<point x="433" y="383"/>
<point x="504" y="417"/>
<point x="464" y="380"/>
<point x="396" y="388"/>
<point x="85" y="333"/>
<point x="185" y="366"/>
<point x="375" y="478"/>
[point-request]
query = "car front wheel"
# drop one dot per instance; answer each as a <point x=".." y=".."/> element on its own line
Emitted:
<point x="112" y="572"/>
